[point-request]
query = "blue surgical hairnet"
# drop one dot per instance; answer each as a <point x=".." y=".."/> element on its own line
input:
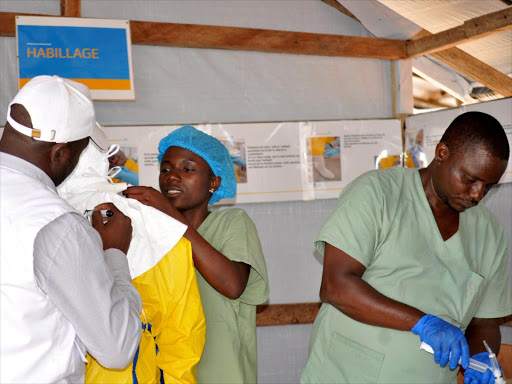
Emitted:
<point x="211" y="150"/>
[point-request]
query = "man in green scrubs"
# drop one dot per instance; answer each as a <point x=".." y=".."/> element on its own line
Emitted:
<point x="409" y="253"/>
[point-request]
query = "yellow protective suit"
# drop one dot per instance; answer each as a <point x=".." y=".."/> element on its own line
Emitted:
<point x="173" y="325"/>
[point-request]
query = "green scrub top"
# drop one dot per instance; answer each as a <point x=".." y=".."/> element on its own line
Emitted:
<point x="230" y="354"/>
<point x="384" y="221"/>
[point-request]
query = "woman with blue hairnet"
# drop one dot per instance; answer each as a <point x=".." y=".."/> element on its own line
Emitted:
<point x="196" y="171"/>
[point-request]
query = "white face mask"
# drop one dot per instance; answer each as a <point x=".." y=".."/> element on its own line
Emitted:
<point x="92" y="173"/>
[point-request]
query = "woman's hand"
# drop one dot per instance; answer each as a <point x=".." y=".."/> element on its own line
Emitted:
<point x="153" y="198"/>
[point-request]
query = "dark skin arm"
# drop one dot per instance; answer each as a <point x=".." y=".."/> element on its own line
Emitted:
<point x="483" y="329"/>
<point x="227" y="277"/>
<point x="343" y="288"/>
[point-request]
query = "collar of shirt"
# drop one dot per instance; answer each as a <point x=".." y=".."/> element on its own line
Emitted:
<point x="22" y="166"/>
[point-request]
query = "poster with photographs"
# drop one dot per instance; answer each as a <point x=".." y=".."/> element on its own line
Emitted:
<point x="424" y="131"/>
<point x="279" y="161"/>
<point x="339" y="151"/>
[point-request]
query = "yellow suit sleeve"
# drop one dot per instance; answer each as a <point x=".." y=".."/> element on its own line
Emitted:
<point x="181" y="340"/>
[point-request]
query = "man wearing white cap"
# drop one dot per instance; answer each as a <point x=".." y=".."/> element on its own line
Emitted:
<point x="65" y="285"/>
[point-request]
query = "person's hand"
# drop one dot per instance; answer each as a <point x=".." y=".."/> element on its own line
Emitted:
<point x="117" y="160"/>
<point x="153" y="198"/>
<point x="447" y="341"/>
<point x="115" y="231"/>
<point x="474" y="377"/>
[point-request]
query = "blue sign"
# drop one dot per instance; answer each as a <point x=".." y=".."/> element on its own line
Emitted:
<point x="97" y="56"/>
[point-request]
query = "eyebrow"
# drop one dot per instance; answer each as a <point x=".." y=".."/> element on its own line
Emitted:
<point x="472" y="176"/>
<point x="183" y="161"/>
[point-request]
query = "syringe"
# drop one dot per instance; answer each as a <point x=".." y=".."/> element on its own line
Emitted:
<point x="499" y="379"/>
<point x="473" y="364"/>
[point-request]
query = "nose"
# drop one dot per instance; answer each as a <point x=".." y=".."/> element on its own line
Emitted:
<point x="478" y="191"/>
<point x="170" y="177"/>
<point x="174" y="175"/>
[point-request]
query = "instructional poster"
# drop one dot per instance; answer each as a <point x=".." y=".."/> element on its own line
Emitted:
<point x="340" y="151"/>
<point x="281" y="161"/>
<point x="424" y="131"/>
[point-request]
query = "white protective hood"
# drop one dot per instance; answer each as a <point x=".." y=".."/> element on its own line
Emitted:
<point x="154" y="232"/>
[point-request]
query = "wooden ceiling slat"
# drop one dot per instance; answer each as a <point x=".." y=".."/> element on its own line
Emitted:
<point x="264" y="40"/>
<point x="248" y="39"/>
<point x="471" y="29"/>
<point x="476" y="70"/>
<point x="71" y="8"/>
<point x="473" y="68"/>
<point x="465" y="64"/>
<point x="300" y="43"/>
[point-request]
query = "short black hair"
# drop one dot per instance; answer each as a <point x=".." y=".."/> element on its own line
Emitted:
<point x="477" y="128"/>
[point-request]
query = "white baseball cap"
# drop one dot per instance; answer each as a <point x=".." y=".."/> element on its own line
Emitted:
<point x="61" y="111"/>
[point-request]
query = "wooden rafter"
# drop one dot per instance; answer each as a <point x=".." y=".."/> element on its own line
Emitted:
<point x="474" y="69"/>
<point x="301" y="43"/>
<point x="71" y="8"/>
<point x="8" y="23"/>
<point x="464" y="63"/>
<point x="341" y="8"/>
<point x="264" y="40"/>
<point x="471" y="29"/>
<point x="250" y="39"/>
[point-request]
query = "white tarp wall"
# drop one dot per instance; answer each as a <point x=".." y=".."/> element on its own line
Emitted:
<point x="175" y="85"/>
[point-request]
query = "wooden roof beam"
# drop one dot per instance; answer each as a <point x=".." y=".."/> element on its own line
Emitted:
<point x="199" y="36"/>
<point x="8" y="22"/>
<point x="471" y="29"/>
<point x="464" y="63"/>
<point x="341" y="8"/>
<point x="71" y="8"/>
<point x="249" y="39"/>
<point x="264" y="40"/>
<point x="473" y="68"/>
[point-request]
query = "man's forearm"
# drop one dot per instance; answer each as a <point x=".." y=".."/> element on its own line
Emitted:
<point x="360" y="301"/>
<point x="483" y="329"/>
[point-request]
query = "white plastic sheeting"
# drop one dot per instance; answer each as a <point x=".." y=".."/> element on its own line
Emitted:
<point x="178" y="85"/>
<point x="283" y="352"/>
<point x="385" y="22"/>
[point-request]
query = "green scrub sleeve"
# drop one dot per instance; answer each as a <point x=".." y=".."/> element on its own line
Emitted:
<point x="356" y="222"/>
<point x="497" y="297"/>
<point x="241" y="243"/>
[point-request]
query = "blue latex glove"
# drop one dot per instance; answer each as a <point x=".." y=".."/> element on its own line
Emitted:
<point x="447" y="341"/>
<point x="238" y="160"/>
<point x="474" y="377"/>
<point x="331" y="152"/>
<point x="128" y="176"/>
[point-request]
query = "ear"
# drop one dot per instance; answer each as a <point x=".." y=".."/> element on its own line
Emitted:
<point x="215" y="182"/>
<point x="60" y="154"/>
<point x="442" y="152"/>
